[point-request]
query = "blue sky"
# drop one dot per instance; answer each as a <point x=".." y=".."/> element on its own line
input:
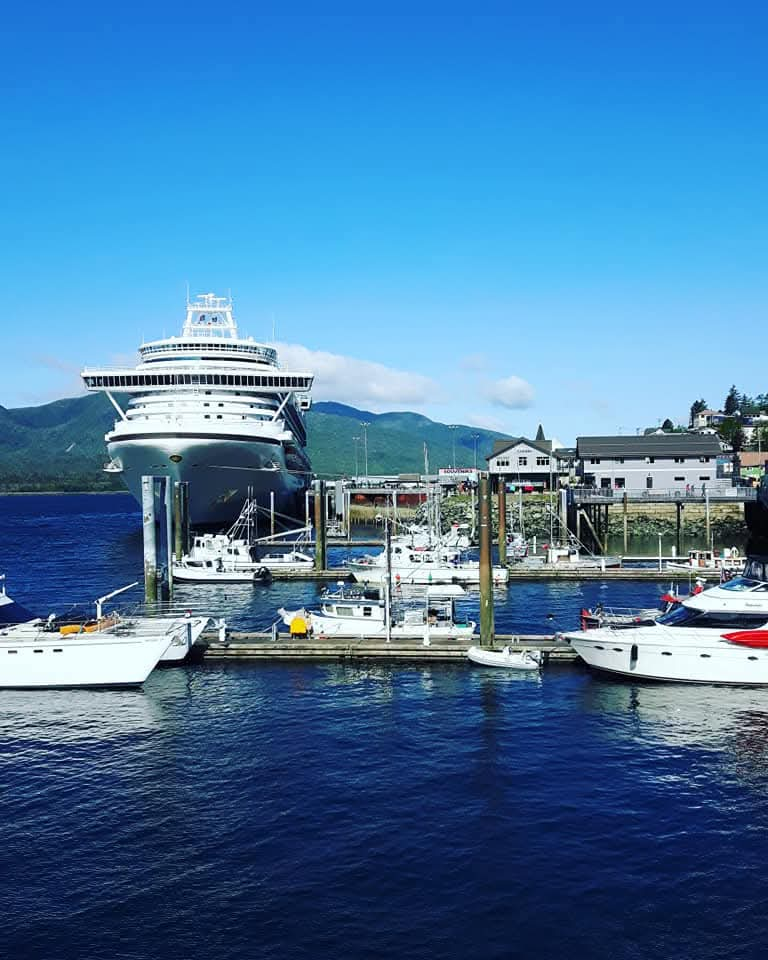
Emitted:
<point x="557" y="215"/>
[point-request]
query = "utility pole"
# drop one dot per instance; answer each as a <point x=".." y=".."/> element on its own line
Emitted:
<point x="453" y="427"/>
<point x="475" y="438"/>
<point x="365" y="424"/>
<point x="357" y="466"/>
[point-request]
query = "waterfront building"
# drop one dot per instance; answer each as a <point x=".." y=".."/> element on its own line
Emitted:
<point x="659" y="462"/>
<point x="537" y="464"/>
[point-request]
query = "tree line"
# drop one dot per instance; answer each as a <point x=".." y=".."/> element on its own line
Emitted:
<point x="736" y="406"/>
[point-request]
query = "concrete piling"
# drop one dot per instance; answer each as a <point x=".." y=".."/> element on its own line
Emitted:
<point x="150" y="538"/>
<point x="502" y="501"/>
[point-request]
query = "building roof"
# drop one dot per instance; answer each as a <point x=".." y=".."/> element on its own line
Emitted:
<point x="652" y="445"/>
<point x="500" y="446"/>
<point x="751" y="458"/>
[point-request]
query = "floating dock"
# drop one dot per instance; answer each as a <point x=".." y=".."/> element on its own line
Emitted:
<point x="261" y="646"/>
<point x="545" y="572"/>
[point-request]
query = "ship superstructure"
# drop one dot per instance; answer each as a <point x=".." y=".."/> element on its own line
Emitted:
<point x="211" y="408"/>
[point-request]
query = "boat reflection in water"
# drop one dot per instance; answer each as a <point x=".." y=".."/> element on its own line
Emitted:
<point x="90" y="715"/>
<point x="731" y="722"/>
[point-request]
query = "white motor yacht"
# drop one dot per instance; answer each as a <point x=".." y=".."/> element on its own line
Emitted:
<point x="422" y="565"/>
<point x="717" y="636"/>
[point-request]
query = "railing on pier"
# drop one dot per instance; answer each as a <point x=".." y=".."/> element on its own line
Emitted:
<point x="695" y="494"/>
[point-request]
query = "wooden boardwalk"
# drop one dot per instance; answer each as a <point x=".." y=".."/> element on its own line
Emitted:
<point x="521" y="572"/>
<point x="261" y="646"/>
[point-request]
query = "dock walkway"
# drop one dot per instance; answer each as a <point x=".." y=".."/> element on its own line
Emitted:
<point x="261" y="646"/>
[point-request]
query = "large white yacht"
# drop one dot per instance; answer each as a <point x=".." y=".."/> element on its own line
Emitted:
<point x="212" y="408"/>
<point x="716" y="636"/>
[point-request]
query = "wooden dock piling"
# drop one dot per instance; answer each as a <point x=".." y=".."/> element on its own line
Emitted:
<point x="486" y="573"/>
<point x="321" y="550"/>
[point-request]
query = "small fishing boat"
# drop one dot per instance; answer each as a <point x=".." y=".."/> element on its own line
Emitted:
<point x="236" y="555"/>
<point x="708" y="561"/>
<point x="506" y="658"/>
<point x="357" y="612"/>
<point x="218" y="571"/>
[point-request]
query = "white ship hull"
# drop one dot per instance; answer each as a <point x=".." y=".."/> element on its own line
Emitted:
<point x="219" y="472"/>
<point x="92" y="660"/>
<point x="667" y="653"/>
<point x="353" y="627"/>
<point x="424" y="573"/>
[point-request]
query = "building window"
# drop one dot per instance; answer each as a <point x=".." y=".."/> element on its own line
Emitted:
<point x="651" y="459"/>
<point x="705" y="477"/>
<point x="703" y="459"/>
<point x="678" y="479"/>
<point x="619" y="460"/>
<point x="620" y="483"/>
<point x="679" y="459"/>
<point x="542" y="461"/>
<point x="595" y="460"/>
<point x="522" y="461"/>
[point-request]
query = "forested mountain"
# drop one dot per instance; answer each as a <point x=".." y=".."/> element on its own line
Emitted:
<point x="60" y="445"/>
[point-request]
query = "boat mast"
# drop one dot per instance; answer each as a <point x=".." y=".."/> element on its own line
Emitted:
<point x="388" y="582"/>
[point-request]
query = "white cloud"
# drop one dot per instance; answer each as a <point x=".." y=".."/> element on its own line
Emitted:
<point x="359" y="382"/>
<point x="486" y="422"/>
<point x="511" y="392"/>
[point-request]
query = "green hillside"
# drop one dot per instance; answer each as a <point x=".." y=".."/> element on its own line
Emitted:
<point x="60" y="445"/>
<point x="395" y="442"/>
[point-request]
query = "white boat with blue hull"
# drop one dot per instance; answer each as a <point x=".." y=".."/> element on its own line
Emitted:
<point x="717" y="636"/>
<point x="212" y="408"/>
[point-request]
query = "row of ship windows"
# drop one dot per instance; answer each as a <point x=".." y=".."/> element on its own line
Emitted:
<point x="195" y="405"/>
<point x="666" y="653"/>
<point x="55" y="650"/>
<point x="198" y="379"/>
<point x="197" y="347"/>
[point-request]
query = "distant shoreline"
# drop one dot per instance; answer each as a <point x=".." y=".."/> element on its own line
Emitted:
<point x="59" y="493"/>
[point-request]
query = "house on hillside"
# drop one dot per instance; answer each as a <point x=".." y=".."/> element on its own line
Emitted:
<point x="538" y="464"/>
<point x="753" y="464"/>
<point x="659" y="461"/>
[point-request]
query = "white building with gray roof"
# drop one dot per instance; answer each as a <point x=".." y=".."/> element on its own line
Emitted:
<point x="659" y="461"/>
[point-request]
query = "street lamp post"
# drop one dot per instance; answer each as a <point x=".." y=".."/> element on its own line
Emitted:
<point x="357" y="467"/>
<point x="453" y="427"/>
<point x="365" y="424"/>
<point x="475" y="438"/>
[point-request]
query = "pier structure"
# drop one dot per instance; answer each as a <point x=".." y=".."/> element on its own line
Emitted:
<point x="586" y="511"/>
<point x="158" y="506"/>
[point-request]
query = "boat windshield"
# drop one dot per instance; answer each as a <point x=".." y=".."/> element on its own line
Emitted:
<point x="683" y="616"/>
<point x="740" y="584"/>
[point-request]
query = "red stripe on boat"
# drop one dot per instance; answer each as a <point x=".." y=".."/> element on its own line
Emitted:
<point x="748" y="638"/>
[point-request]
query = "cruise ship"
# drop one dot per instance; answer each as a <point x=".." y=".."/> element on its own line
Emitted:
<point x="214" y="409"/>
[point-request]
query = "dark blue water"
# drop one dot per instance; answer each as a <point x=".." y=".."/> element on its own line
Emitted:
<point x="313" y="811"/>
